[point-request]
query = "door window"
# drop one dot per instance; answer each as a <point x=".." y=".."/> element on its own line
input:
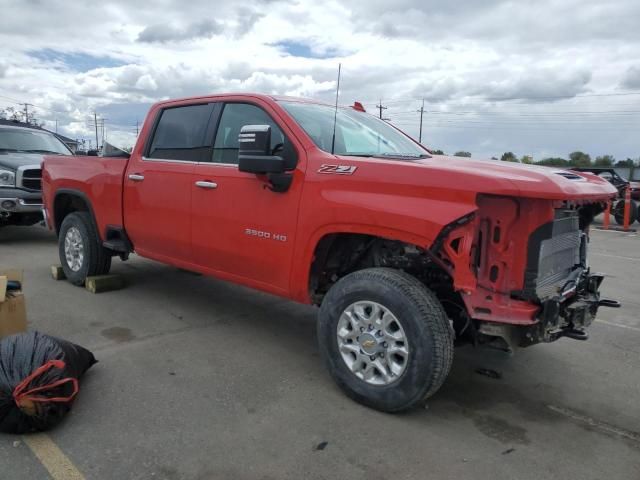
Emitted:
<point x="234" y="117"/>
<point x="181" y="134"/>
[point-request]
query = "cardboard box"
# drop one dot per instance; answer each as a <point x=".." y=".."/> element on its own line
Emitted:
<point x="13" y="313"/>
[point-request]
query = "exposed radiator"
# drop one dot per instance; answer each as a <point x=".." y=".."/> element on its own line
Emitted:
<point x="555" y="251"/>
<point x="559" y="255"/>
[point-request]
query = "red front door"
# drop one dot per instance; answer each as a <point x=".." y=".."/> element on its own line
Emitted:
<point x="240" y="228"/>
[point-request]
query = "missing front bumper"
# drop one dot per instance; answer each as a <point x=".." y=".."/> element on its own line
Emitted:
<point x="559" y="317"/>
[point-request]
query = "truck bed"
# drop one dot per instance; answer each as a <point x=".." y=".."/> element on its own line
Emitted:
<point x="98" y="179"/>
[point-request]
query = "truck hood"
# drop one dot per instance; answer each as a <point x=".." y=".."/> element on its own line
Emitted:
<point x="13" y="160"/>
<point x="500" y="178"/>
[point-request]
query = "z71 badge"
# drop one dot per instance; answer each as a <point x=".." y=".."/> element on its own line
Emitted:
<point x="337" y="169"/>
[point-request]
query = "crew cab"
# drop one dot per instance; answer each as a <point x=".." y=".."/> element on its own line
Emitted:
<point x="21" y="152"/>
<point x="405" y="252"/>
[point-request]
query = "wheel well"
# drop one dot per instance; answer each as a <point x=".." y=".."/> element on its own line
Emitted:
<point x="339" y="254"/>
<point x="66" y="203"/>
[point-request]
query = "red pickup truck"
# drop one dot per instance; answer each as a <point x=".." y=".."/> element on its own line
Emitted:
<point x="405" y="252"/>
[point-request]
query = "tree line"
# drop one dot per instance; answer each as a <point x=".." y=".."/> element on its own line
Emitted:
<point x="576" y="159"/>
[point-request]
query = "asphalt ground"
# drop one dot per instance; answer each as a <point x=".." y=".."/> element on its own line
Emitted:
<point x="201" y="379"/>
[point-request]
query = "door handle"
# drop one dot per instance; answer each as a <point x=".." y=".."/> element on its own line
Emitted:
<point x="136" y="177"/>
<point x="206" y="184"/>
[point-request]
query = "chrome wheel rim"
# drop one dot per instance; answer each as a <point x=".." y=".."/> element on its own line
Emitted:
<point x="372" y="343"/>
<point x="74" y="249"/>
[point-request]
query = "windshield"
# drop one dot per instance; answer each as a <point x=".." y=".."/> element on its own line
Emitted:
<point x="30" y="141"/>
<point x="357" y="133"/>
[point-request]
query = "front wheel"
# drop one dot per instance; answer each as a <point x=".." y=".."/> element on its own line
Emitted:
<point x="81" y="253"/>
<point x="385" y="339"/>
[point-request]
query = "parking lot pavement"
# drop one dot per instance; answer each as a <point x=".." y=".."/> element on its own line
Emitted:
<point x="200" y="379"/>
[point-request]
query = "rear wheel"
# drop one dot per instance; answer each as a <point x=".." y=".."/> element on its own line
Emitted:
<point x="81" y="252"/>
<point x="385" y="339"/>
<point x="618" y="212"/>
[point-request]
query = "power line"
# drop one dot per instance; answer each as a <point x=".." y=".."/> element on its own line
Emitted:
<point x="522" y="120"/>
<point x="523" y="127"/>
<point x="525" y="113"/>
<point x="534" y="100"/>
<point x="18" y="102"/>
<point x="523" y="124"/>
<point x="621" y="94"/>
<point x="14" y="100"/>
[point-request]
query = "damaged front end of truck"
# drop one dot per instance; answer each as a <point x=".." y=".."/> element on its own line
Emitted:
<point x="517" y="271"/>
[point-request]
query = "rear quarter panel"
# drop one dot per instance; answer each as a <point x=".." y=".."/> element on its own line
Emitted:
<point x="98" y="179"/>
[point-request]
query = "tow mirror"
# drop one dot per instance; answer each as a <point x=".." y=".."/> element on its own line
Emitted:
<point x="254" y="151"/>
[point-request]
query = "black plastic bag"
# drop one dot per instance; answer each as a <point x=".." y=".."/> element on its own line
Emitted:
<point x="38" y="380"/>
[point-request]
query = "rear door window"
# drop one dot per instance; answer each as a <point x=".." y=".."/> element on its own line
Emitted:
<point x="181" y="134"/>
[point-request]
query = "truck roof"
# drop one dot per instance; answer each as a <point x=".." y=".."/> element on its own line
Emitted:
<point x="277" y="98"/>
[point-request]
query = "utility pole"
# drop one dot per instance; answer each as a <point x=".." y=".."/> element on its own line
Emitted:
<point x="137" y="127"/>
<point x="56" y="125"/>
<point x="421" y="111"/>
<point x="380" y="107"/>
<point x="95" y="121"/>
<point x="26" y="111"/>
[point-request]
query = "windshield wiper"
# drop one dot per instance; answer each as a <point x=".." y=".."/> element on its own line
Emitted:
<point x="387" y="155"/>
<point x="404" y="155"/>
<point x="42" y="151"/>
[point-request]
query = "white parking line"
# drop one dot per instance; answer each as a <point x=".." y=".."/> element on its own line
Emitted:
<point x="592" y="422"/>
<point x="628" y="327"/>
<point x="630" y="233"/>
<point x="633" y="259"/>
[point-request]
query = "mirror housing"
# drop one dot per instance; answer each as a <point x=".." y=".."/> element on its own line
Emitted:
<point x="254" y="152"/>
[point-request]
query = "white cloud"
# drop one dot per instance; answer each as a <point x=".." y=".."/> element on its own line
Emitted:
<point x="519" y="69"/>
<point x="162" y="33"/>
<point x="631" y="78"/>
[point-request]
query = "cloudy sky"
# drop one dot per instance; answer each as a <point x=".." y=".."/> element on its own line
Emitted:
<point x="541" y="78"/>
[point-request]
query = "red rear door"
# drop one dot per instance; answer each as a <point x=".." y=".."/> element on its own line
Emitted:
<point x="158" y="184"/>
<point x="241" y="229"/>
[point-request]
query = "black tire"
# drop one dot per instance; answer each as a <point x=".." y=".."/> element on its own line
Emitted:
<point x="618" y="212"/>
<point x="97" y="259"/>
<point x="428" y="331"/>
